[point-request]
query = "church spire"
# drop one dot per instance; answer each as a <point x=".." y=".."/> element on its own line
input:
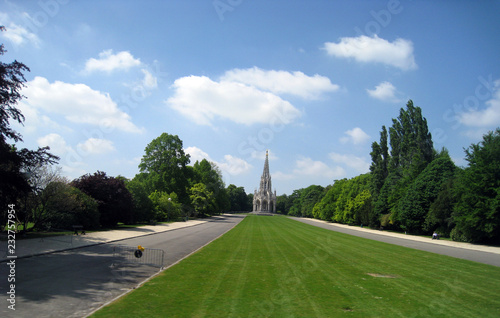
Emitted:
<point x="265" y="174"/>
<point x="265" y="199"/>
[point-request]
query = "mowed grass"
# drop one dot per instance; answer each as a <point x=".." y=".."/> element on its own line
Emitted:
<point x="278" y="267"/>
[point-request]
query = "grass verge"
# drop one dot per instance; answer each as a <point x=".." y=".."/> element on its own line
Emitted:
<point x="277" y="267"/>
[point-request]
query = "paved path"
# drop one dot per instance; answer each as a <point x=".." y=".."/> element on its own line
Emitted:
<point x="477" y="253"/>
<point x="39" y="246"/>
<point x="76" y="281"/>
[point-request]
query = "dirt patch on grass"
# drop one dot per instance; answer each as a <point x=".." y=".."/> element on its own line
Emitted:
<point x="382" y="275"/>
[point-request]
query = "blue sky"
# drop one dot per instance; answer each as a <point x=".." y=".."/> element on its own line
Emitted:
<point x="312" y="81"/>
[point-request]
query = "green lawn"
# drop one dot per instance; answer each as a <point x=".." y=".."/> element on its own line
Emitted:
<point x="277" y="267"/>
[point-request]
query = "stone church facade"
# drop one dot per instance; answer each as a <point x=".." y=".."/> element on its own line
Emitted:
<point x="264" y="200"/>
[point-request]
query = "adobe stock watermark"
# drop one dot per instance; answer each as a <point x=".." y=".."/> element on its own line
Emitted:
<point x="260" y="141"/>
<point x="381" y="18"/>
<point x="484" y="91"/>
<point x="223" y="6"/>
<point x="49" y="9"/>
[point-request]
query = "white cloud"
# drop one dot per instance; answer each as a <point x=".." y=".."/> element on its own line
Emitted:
<point x="231" y="165"/>
<point x="357" y="163"/>
<point x="71" y="162"/>
<point x="355" y="136"/>
<point x="488" y="117"/>
<point x="311" y="168"/>
<point x="96" y="146"/>
<point x="202" y="100"/>
<point x="234" y="165"/>
<point x="20" y="36"/>
<point x="282" y="82"/>
<point x="57" y="144"/>
<point x="149" y="81"/>
<point x="78" y="103"/>
<point x="384" y="91"/>
<point x="109" y="62"/>
<point x="196" y="154"/>
<point x="374" y="49"/>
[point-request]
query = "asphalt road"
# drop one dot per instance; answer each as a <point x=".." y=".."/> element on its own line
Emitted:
<point x="468" y="254"/>
<point x="76" y="282"/>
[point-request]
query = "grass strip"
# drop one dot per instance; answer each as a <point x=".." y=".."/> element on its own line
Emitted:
<point x="277" y="267"/>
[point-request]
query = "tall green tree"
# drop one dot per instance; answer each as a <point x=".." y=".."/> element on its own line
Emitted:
<point x="164" y="166"/>
<point x="411" y="150"/>
<point x="209" y="174"/>
<point x="414" y="206"/>
<point x="477" y="211"/>
<point x="238" y="198"/>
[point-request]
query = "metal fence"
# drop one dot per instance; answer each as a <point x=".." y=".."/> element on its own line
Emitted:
<point x="149" y="256"/>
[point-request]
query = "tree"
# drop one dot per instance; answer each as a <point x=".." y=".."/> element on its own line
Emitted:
<point x="209" y="174"/>
<point x="202" y="199"/>
<point x="415" y="204"/>
<point x="114" y="200"/>
<point x="165" y="206"/>
<point x="164" y="166"/>
<point x="238" y="198"/>
<point x="65" y="206"/>
<point x="143" y="206"/>
<point x="15" y="164"/>
<point x="411" y="150"/>
<point x="477" y="211"/>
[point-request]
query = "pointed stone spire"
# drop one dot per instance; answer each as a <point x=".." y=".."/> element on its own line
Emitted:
<point x="264" y="198"/>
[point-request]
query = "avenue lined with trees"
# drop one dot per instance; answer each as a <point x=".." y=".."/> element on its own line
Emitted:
<point x="411" y="186"/>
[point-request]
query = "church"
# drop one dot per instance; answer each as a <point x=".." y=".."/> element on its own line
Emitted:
<point x="264" y="200"/>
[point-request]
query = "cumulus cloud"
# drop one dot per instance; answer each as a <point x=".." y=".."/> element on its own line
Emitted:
<point x="246" y="96"/>
<point x="357" y="163"/>
<point x="488" y="117"/>
<point x="231" y="165"/>
<point x="78" y="103"/>
<point x="202" y="100"/>
<point x="384" y="91"/>
<point x="355" y="136"/>
<point x="282" y="82"/>
<point x="311" y="168"/>
<point x="196" y="154"/>
<point x="374" y="49"/>
<point x="234" y="165"/>
<point x="16" y="34"/>
<point x="96" y="146"/>
<point x="108" y="62"/>
<point x="56" y="142"/>
<point x="72" y="162"/>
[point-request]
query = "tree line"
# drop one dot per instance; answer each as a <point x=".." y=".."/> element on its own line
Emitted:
<point x="413" y="187"/>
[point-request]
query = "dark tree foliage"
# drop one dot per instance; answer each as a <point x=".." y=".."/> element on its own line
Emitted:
<point x="15" y="164"/>
<point x="115" y="203"/>
<point x="238" y="199"/>
<point x="440" y="218"/>
<point x="477" y="211"/>
<point x="415" y="204"/>
<point x="66" y="206"/>
<point x="411" y="150"/>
